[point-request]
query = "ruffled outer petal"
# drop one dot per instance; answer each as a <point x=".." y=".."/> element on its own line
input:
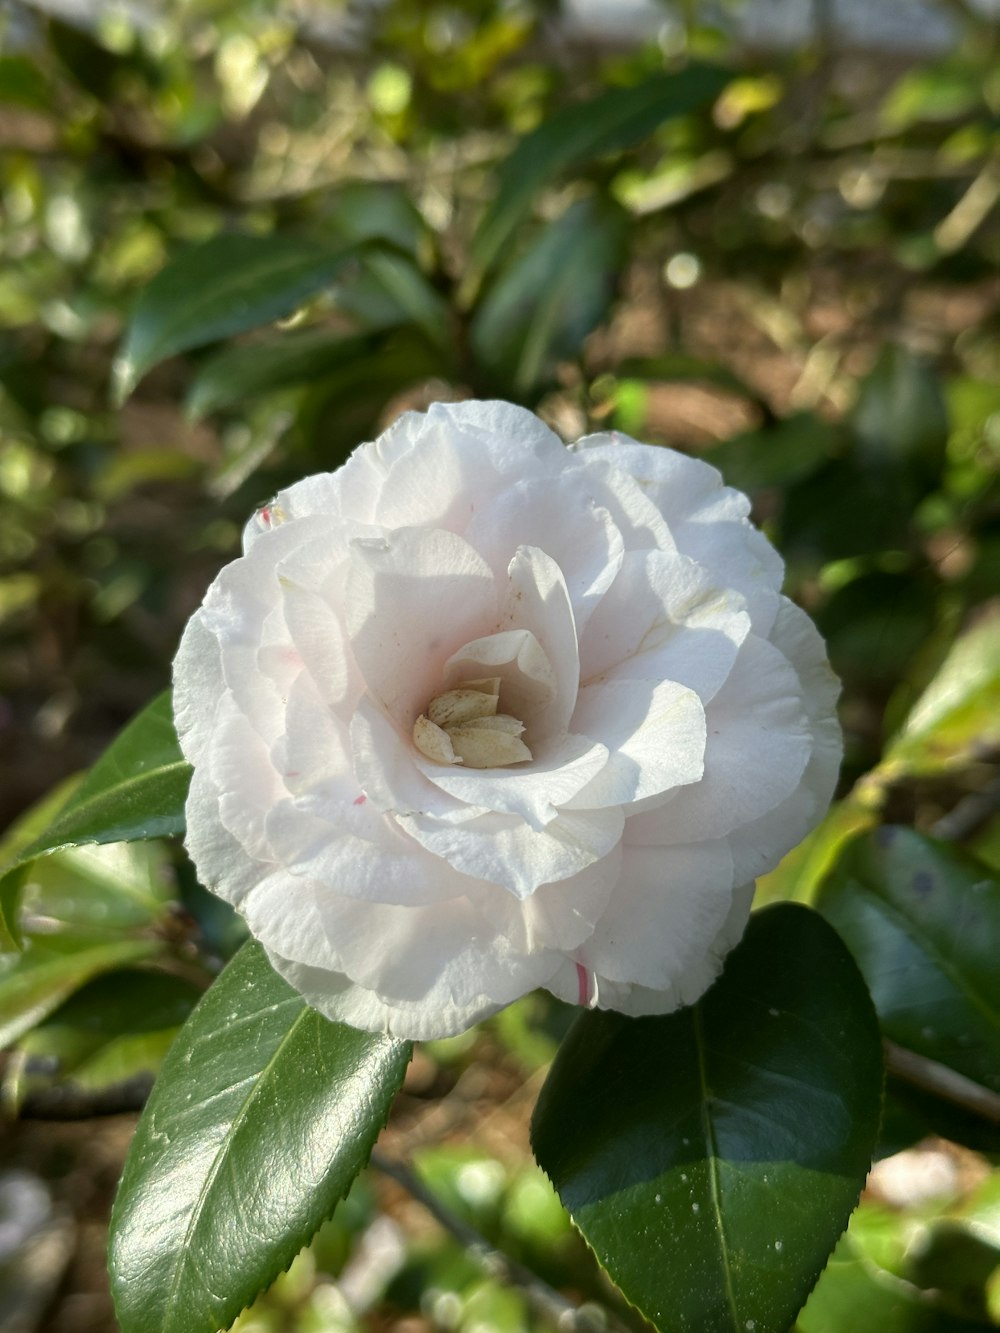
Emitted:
<point x="679" y="711"/>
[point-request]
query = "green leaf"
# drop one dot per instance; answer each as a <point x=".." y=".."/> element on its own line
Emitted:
<point x="958" y="715"/>
<point x="22" y="83"/>
<point x="546" y="302"/>
<point x="923" y="923"/>
<point x="226" y="285"/>
<point x="870" y="1277"/>
<point x="711" y="1157"/>
<point x="113" y="1031"/>
<point x="615" y="120"/>
<point x="36" y="982"/>
<point x="901" y="417"/>
<point x="238" y="373"/>
<point x="390" y="291"/>
<point x="23" y="832"/>
<point x="791" y="449"/>
<point x="673" y="367"/>
<point x="263" y="1114"/>
<point x="135" y="790"/>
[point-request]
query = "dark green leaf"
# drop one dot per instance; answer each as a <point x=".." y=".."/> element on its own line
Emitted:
<point x="390" y="291"/>
<point x="614" y="120"/>
<point x="22" y="82"/>
<point x="923" y="922"/>
<point x="901" y="418"/>
<point x="238" y="373"/>
<point x="36" y="982"/>
<point x="226" y="285"/>
<point x="135" y="790"/>
<point x="712" y="1157"/>
<point x="789" y="450"/>
<point x="263" y="1114"/>
<point x="376" y="211"/>
<point x="545" y="303"/>
<point x="114" y="1030"/>
<point x="672" y="367"/>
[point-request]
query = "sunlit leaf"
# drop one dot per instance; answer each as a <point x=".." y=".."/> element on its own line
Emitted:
<point x="616" y="119"/>
<point x="712" y="1157"/>
<point x="263" y="1114"/>
<point x="958" y="716"/>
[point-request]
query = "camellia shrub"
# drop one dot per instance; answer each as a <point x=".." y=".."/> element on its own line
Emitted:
<point x="493" y="733"/>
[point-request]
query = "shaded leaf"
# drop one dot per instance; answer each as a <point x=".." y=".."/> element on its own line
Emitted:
<point x="901" y="417"/>
<point x="922" y="920"/>
<point x="36" y="982"/>
<point x="238" y="373"/>
<point x="544" y="304"/>
<point x="114" y="1030"/>
<point x="614" y="120"/>
<point x="224" y="286"/>
<point x="711" y="1157"/>
<point x="791" y="449"/>
<point x="263" y="1114"/>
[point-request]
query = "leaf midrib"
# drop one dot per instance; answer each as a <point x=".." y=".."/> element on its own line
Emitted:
<point x="222" y="1153"/>
<point x="711" y="1156"/>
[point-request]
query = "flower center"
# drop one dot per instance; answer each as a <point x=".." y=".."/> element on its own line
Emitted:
<point x="462" y="726"/>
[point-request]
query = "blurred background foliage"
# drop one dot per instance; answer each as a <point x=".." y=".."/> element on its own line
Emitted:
<point x="779" y="255"/>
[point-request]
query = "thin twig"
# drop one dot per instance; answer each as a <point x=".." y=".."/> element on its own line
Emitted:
<point x="941" y="1081"/>
<point x="545" y="1300"/>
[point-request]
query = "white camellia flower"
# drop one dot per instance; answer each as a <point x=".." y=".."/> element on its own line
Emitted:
<point x="478" y="713"/>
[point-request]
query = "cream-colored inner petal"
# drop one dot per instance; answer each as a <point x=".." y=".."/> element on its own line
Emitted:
<point x="462" y="726"/>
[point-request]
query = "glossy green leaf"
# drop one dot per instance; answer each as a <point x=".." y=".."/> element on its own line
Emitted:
<point x="135" y="790"/>
<point x="712" y="1157"/>
<point x="263" y="1114"/>
<point x="870" y="1277"/>
<point x="923" y="922"/>
<point x="114" y="1031"/>
<point x="224" y="286"/>
<point x="36" y="982"/>
<point x="614" y="120"/>
<point x="958" y="716"/>
<point x="238" y="373"/>
<point x="104" y="887"/>
<point x="19" y="836"/>
<point x="545" y="303"/>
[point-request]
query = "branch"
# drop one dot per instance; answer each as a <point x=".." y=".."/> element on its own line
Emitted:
<point x="941" y="1081"/>
<point x="545" y="1300"/>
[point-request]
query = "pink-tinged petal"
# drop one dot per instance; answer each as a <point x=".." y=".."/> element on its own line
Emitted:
<point x="240" y="769"/>
<point x="758" y="745"/>
<point x="197" y="685"/>
<point x="537" y="600"/>
<point x="668" y="907"/>
<point x="344" y="1001"/>
<point x="390" y="771"/>
<point x="315" y="751"/>
<point x="413" y="597"/>
<point x="223" y="865"/>
<point x="534" y="790"/>
<point x="655" y="732"/>
<point x="504" y="850"/>
<point x="664" y="618"/>
<point x="741" y="558"/>
<point x="641" y="524"/>
<point x="757" y="847"/>
<point x="565" y="519"/>
<point x="563" y="915"/>
<point x="527" y="682"/>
